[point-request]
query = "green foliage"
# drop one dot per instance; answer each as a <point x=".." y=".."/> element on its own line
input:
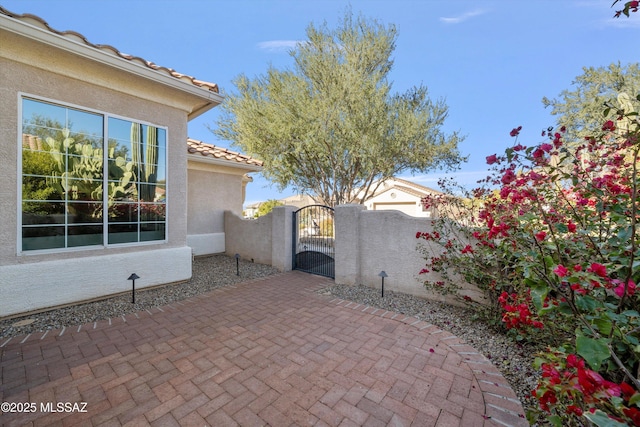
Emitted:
<point x="580" y="110"/>
<point x="331" y="126"/>
<point x="557" y="251"/>
<point x="267" y="207"/>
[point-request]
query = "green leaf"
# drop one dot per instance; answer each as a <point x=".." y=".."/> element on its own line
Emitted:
<point x="539" y="292"/>
<point x="594" y="351"/>
<point x="601" y="419"/>
<point x="604" y="326"/>
<point x="635" y="399"/>
<point x="562" y="228"/>
<point x="586" y="303"/>
<point x="555" y="420"/>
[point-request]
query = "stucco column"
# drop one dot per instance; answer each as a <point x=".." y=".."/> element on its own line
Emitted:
<point x="347" y="244"/>
<point x="282" y="237"/>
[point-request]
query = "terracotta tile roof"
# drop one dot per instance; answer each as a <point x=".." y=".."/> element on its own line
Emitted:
<point x="212" y="151"/>
<point x="418" y="189"/>
<point x="36" y="21"/>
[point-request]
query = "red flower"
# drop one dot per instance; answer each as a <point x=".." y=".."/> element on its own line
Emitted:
<point x="572" y="227"/>
<point x="492" y="159"/>
<point x="515" y="131"/>
<point x="508" y="177"/>
<point x="540" y="236"/>
<point x="574" y="409"/>
<point x="609" y="125"/>
<point x="627" y="391"/>
<point x="561" y="270"/>
<point x="467" y="249"/>
<point x="633" y="413"/>
<point x="598" y="269"/>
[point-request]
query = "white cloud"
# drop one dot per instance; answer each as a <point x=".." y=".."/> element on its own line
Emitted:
<point x="278" y="45"/>
<point x="461" y="18"/>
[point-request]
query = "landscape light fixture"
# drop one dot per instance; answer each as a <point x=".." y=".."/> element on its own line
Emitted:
<point x="383" y="275"/>
<point x="133" y="278"/>
<point x="237" y="264"/>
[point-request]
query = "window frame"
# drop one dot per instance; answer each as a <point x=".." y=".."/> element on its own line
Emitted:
<point x="105" y="179"/>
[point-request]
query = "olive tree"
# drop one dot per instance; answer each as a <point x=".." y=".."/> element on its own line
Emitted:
<point x="331" y="126"/>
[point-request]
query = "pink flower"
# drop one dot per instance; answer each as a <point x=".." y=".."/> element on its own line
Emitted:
<point x="560" y="270"/>
<point x="492" y="159"/>
<point x="598" y="269"/>
<point x="546" y="147"/>
<point x="540" y="236"/>
<point x="620" y="289"/>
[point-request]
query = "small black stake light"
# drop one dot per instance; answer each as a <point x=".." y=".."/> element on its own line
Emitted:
<point x="237" y="264"/>
<point x="383" y="275"/>
<point x="133" y="278"/>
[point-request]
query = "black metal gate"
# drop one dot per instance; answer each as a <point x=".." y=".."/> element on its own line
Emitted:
<point x="313" y="240"/>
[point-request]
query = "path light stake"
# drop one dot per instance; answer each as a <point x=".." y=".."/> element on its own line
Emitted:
<point x="237" y="264"/>
<point x="383" y="275"/>
<point x="133" y="278"/>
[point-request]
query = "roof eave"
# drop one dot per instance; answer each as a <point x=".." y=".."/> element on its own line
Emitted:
<point x="58" y="41"/>
<point x="197" y="157"/>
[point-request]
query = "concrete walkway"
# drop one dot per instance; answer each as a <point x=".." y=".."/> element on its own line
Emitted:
<point x="269" y="352"/>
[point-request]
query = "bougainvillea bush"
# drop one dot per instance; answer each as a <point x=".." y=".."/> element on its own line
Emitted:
<point x="552" y="239"/>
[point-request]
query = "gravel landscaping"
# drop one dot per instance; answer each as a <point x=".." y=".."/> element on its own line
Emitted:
<point x="513" y="359"/>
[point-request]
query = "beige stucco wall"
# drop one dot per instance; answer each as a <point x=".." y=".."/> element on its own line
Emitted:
<point x="368" y="242"/>
<point x="211" y="192"/>
<point x="212" y="189"/>
<point x="266" y="240"/>
<point x="47" y="72"/>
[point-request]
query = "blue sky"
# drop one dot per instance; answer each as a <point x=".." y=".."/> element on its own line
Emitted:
<point x="492" y="61"/>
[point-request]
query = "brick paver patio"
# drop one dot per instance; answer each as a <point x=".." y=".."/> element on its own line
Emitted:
<point x="269" y="352"/>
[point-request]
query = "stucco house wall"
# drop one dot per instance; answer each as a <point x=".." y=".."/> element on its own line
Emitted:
<point x="217" y="178"/>
<point x="36" y="61"/>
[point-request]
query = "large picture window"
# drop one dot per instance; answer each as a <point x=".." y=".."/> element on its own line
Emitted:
<point x="90" y="179"/>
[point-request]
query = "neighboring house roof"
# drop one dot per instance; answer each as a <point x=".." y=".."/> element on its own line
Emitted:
<point x="405" y="186"/>
<point x="220" y="155"/>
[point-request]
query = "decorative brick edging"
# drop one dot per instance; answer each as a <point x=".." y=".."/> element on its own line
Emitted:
<point x="502" y="406"/>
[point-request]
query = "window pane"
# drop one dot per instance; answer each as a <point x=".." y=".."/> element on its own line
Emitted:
<point x="42" y="213"/>
<point x="152" y="212"/>
<point x="123" y="212"/>
<point x="152" y="231"/>
<point x="85" y="235"/>
<point x="34" y="238"/>
<point x="123" y="233"/>
<point x="62" y="173"/>
<point x="84" y="212"/>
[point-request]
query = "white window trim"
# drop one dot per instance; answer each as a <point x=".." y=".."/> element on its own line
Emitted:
<point x="105" y="219"/>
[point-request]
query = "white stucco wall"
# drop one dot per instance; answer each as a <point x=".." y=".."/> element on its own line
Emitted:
<point x="51" y="283"/>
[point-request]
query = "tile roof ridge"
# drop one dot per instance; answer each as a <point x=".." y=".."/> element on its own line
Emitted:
<point x="37" y="21"/>
<point x="215" y="151"/>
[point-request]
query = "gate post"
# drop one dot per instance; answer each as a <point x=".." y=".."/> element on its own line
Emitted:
<point x="281" y="238"/>
<point x="347" y="244"/>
